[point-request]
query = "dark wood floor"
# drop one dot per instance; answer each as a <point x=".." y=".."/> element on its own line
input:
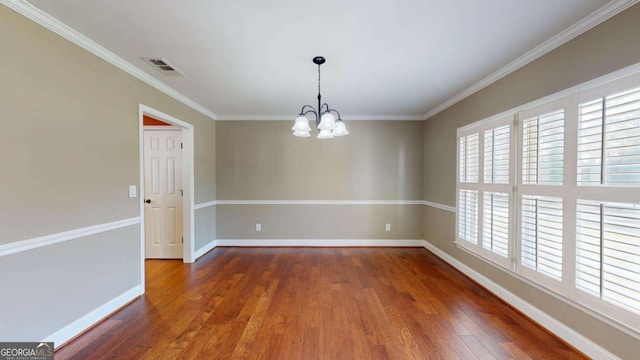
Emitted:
<point x="311" y="303"/>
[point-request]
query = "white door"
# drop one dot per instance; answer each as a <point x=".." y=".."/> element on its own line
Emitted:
<point x="163" y="194"/>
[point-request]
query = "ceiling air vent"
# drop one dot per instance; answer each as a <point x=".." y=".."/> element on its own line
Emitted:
<point x="163" y="66"/>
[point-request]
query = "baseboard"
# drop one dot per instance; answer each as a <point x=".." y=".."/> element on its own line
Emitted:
<point x="320" y="242"/>
<point x="558" y="328"/>
<point x="205" y="249"/>
<point x="80" y="325"/>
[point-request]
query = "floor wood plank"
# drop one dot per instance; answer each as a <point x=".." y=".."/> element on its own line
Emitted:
<point x="315" y="303"/>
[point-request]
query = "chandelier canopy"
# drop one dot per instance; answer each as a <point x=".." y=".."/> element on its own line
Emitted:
<point x="327" y="125"/>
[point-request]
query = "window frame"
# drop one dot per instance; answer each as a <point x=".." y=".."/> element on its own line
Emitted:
<point x="481" y="187"/>
<point x="557" y="191"/>
<point x="565" y="290"/>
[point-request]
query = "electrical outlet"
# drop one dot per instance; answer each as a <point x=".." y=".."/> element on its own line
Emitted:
<point x="387" y="227"/>
<point x="132" y="191"/>
<point x="258" y="227"/>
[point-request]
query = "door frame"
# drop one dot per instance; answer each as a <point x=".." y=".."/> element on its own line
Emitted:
<point x="188" y="223"/>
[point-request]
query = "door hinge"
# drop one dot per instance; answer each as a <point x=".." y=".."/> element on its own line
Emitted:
<point x="183" y="240"/>
<point x="181" y="146"/>
<point x="181" y="193"/>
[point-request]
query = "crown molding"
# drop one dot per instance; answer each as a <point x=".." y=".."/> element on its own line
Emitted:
<point x="291" y="117"/>
<point x="31" y="12"/>
<point x="592" y="20"/>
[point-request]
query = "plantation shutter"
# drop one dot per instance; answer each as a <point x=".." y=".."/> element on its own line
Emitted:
<point x="496" y="155"/>
<point x="469" y="151"/>
<point x="543" y="149"/>
<point x="468" y="216"/>
<point x="608" y="251"/>
<point x="609" y="140"/>
<point x="496" y="203"/>
<point x="495" y="237"/>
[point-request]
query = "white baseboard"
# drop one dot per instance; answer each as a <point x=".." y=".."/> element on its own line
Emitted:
<point x="558" y="328"/>
<point x="82" y="324"/>
<point x="320" y="242"/>
<point x="205" y="249"/>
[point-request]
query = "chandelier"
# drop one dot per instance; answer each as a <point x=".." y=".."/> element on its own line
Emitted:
<point x="325" y="122"/>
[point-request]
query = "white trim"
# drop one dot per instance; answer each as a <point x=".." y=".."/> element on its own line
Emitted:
<point x="160" y="128"/>
<point x="204" y="205"/>
<point x="561" y="330"/>
<point x="292" y="116"/>
<point x="440" y="206"/>
<point x="51" y="239"/>
<point x="597" y="17"/>
<point x="205" y="249"/>
<point x="87" y="321"/>
<point x="33" y="13"/>
<point x="321" y="242"/>
<point x="188" y="184"/>
<point x="319" y="202"/>
<point x="328" y="202"/>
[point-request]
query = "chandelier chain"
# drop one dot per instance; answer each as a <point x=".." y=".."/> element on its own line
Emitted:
<point x="319" y="92"/>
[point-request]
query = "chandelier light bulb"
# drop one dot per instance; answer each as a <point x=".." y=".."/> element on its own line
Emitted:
<point x="341" y="129"/>
<point x="325" y="134"/>
<point x="301" y="124"/>
<point x="327" y="122"/>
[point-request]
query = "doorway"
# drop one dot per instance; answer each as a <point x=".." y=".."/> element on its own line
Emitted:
<point x="184" y="201"/>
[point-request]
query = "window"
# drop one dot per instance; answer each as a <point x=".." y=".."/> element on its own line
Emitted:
<point x="551" y="191"/>
<point x="607" y="235"/>
<point x="608" y="252"/>
<point x="542" y="235"/>
<point x="543" y="149"/>
<point x="496" y="223"/>
<point x="468" y="194"/>
<point x="609" y="140"/>
<point x="542" y="193"/>
<point x="484" y="202"/>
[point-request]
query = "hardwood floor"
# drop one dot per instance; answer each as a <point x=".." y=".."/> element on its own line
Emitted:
<point x="314" y="303"/>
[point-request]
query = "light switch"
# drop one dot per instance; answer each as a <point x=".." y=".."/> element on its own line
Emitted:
<point x="258" y="227"/>
<point x="387" y="227"/>
<point x="132" y="191"/>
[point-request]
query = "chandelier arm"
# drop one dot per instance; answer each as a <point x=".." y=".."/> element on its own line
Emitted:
<point x="336" y="111"/>
<point x="324" y="108"/>
<point x="302" y="112"/>
<point x="312" y="111"/>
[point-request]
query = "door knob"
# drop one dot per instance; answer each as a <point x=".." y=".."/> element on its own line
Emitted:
<point x="148" y="201"/>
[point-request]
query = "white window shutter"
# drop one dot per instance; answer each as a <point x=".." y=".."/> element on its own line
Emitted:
<point x="542" y="235"/>
<point x="543" y="149"/>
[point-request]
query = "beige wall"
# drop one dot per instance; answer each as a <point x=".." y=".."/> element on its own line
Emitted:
<point x="69" y="150"/>
<point x="606" y="48"/>
<point x="320" y="221"/>
<point x="262" y="160"/>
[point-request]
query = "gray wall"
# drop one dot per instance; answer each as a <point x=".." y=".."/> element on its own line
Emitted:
<point x="69" y="151"/>
<point x="262" y="160"/>
<point x="604" y="49"/>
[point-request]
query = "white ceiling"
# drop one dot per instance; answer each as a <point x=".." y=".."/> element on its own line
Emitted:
<point x="393" y="59"/>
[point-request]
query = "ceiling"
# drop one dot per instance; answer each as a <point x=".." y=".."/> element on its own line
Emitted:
<point x="386" y="59"/>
